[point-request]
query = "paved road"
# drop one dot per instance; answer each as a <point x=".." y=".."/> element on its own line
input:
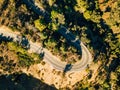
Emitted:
<point x="86" y="55"/>
<point x="48" y="57"/>
<point x="35" y="47"/>
<point x="51" y="59"/>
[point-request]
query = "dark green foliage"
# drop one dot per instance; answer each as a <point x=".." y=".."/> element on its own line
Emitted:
<point x="25" y="60"/>
<point x="86" y="20"/>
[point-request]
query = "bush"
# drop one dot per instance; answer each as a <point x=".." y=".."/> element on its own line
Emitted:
<point x="25" y="60"/>
<point x="39" y="24"/>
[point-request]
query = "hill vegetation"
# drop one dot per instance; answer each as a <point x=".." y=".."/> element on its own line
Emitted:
<point x="95" y="22"/>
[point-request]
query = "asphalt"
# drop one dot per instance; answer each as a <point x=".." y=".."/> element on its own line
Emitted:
<point x="50" y="58"/>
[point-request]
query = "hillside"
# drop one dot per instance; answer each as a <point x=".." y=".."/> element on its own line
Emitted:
<point x="96" y="23"/>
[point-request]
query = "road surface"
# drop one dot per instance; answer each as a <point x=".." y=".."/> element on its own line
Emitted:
<point x="51" y="59"/>
<point x="86" y="55"/>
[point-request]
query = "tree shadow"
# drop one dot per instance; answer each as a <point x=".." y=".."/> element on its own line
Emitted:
<point x="22" y="81"/>
<point x="112" y="68"/>
<point x="71" y="39"/>
<point x="95" y="34"/>
<point x="114" y="64"/>
<point x="24" y="42"/>
<point x="5" y="39"/>
<point x="31" y="6"/>
<point x="67" y="8"/>
<point x="97" y="39"/>
<point x="63" y="31"/>
<point x="4" y="6"/>
<point x="67" y="68"/>
<point x="22" y="15"/>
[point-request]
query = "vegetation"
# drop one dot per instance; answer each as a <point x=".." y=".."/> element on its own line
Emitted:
<point x="57" y="20"/>
<point x="14" y="56"/>
<point x="95" y="22"/>
<point x="39" y="24"/>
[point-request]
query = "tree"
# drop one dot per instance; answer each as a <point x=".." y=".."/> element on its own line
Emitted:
<point x="87" y="15"/>
<point x="51" y="43"/>
<point x="81" y="6"/>
<point x="57" y="20"/>
<point x="51" y="2"/>
<point x="39" y="24"/>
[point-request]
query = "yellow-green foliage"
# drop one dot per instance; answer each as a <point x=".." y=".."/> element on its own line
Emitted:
<point x="25" y="59"/>
<point x="87" y="15"/>
<point x="57" y="19"/>
<point x="51" y="2"/>
<point x="51" y="43"/>
<point x="14" y="47"/>
<point x="39" y="24"/>
<point x="43" y="36"/>
<point x="53" y="26"/>
<point x="55" y="15"/>
<point x="81" y="6"/>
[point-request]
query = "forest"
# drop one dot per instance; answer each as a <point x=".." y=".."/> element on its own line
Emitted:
<point x="95" y="22"/>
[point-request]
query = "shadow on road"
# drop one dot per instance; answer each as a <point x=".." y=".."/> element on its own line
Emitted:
<point x="72" y="40"/>
<point x="23" y="41"/>
<point x="31" y="6"/>
<point x="68" y="67"/>
<point x="4" y="38"/>
<point x="22" y="81"/>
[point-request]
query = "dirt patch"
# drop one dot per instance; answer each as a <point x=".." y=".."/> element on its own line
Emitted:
<point x="53" y="77"/>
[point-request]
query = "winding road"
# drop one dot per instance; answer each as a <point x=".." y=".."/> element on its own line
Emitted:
<point x="48" y="57"/>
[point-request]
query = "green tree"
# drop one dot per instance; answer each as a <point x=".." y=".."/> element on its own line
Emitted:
<point x="57" y="20"/>
<point x="81" y="6"/>
<point x="51" y="43"/>
<point x="39" y="24"/>
<point x="25" y="60"/>
<point x="87" y="15"/>
<point x="51" y="2"/>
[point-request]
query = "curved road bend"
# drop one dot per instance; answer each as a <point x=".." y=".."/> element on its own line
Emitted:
<point x="52" y="60"/>
<point x="57" y="64"/>
<point x="86" y="55"/>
